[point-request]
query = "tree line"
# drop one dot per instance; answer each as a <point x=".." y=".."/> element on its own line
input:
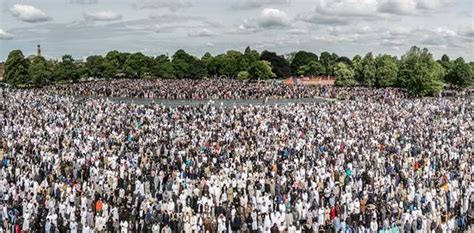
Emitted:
<point x="416" y="70"/>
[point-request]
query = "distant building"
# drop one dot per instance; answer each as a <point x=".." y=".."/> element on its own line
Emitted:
<point x="2" y="70"/>
<point x="38" y="53"/>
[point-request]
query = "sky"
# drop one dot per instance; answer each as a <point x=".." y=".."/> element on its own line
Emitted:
<point x="347" y="27"/>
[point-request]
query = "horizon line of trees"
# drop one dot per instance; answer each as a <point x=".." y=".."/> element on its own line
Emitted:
<point x="416" y="70"/>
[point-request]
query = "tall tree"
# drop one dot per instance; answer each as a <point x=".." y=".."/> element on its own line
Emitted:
<point x="419" y="73"/>
<point x="137" y="65"/>
<point x="198" y="69"/>
<point x="39" y="71"/>
<point x="231" y="63"/>
<point x="461" y="73"/>
<point x="95" y="66"/>
<point x="314" y="68"/>
<point x="301" y="58"/>
<point x="358" y="68"/>
<point x="280" y="65"/>
<point x="67" y="70"/>
<point x="162" y="67"/>
<point x="16" y="68"/>
<point x="208" y="61"/>
<point x="261" y="70"/>
<point x="181" y="64"/>
<point x="386" y="70"/>
<point x="113" y="63"/>
<point x="446" y="63"/>
<point x="368" y="70"/>
<point x="250" y="56"/>
<point x="187" y="66"/>
<point x="243" y="75"/>
<point x="345" y="60"/>
<point x="328" y="61"/>
<point x="344" y="75"/>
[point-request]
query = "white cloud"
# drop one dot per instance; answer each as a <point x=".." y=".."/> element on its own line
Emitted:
<point x="344" y="12"/>
<point x="408" y="7"/>
<point x="29" y="14"/>
<point x="427" y="4"/>
<point x="336" y="22"/>
<point x="172" y="5"/>
<point x="173" y="17"/>
<point x="298" y="31"/>
<point x="102" y="16"/>
<point x="392" y="43"/>
<point x="398" y="7"/>
<point x="399" y="33"/>
<point x="203" y="32"/>
<point x="252" y="4"/>
<point x="445" y="32"/>
<point x="85" y="2"/>
<point x="270" y="17"/>
<point x="467" y="31"/>
<point x="248" y="26"/>
<point x="360" y="8"/>
<point x="364" y="29"/>
<point x="429" y="40"/>
<point x="210" y="44"/>
<point x="5" y="35"/>
<point x="345" y="30"/>
<point x="341" y="12"/>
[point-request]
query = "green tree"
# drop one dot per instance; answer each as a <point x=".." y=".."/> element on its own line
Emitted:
<point x="386" y="70"/>
<point x="95" y="66"/>
<point x="368" y="70"/>
<point x="301" y="58"/>
<point x="280" y="65"/>
<point x="250" y="56"/>
<point x="162" y="67"/>
<point x="344" y="75"/>
<point x="137" y="65"/>
<point x="419" y="73"/>
<point x="461" y="73"/>
<point x="39" y="71"/>
<point x="243" y="75"/>
<point x="114" y="63"/>
<point x="290" y="57"/>
<point x="344" y="60"/>
<point x="16" y="68"/>
<point x="314" y="68"/>
<point x="445" y="63"/>
<point x="328" y="61"/>
<point x="231" y="63"/>
<point x="66" y="70"/>
<point x="208" y="61"/>
<point x="358" y="68"/>
<point x="198" y="69"/>
<point x="447" y="66"/>
<point x="187" y="66"/>
<point x="261" y="70"/>
<point x="182" y="64"/>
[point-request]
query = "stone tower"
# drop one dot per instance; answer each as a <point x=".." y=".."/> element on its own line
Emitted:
<point x="38" y="51"/>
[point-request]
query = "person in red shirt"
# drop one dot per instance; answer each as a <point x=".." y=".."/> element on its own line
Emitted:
<point x="98" y="206"/>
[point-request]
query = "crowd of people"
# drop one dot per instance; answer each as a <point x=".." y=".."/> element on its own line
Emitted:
<point x="212" y="89"/>
<point x="391" y="164"/>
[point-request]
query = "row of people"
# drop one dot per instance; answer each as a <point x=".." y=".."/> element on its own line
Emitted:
<point x="93" y="165"/>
